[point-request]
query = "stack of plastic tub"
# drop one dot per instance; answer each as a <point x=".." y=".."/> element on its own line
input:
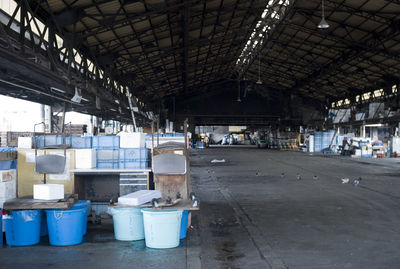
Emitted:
<point x="107" y="158"/>
<point x="1" y="227"/>
<point x="128" y="223"/>
<point x="134" y="158"/>
<point x="318" y="141"/>
<point x="23" y="227"/>
<point x="85" y="204"/>
<point x="184" y="222"/>
<point x="162" y="228"/>
<point x="65" y="226"/>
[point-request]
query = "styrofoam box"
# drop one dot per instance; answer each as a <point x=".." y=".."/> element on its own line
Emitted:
<point x="132" y="140"/>
<point x="8" y="190"/>
<point x="8" y="175"/>
<point x="48" y="191"/>
<point x="25" y="142"/>
<point x="85" y="158"/>
<point x="139" y="197"/>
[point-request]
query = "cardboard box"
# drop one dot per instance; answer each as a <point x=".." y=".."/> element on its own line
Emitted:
<point x="8" y="156"/>
<point x="8" y="175"/>
<point x="27" y="177"/>
<point x="8" y="190"/>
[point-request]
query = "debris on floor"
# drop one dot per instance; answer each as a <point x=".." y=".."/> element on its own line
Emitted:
<point x="345" y="180"/>
<point x="218" y="161"/>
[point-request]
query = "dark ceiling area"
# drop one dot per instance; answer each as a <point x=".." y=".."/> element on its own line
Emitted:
<point x="163" y="50"/>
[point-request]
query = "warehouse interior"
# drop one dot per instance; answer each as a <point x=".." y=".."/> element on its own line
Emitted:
<point x="199" y="133"/>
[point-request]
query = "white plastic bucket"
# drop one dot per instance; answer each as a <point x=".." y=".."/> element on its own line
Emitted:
<point x="128" y="223"/>
<point x="162" y="227"/>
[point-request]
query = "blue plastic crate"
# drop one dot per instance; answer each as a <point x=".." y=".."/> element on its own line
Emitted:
<point x="78" y="142"/>
<point x="107" y="154"/>
<point x="106" y="142"/>
<point x="107" y="164"/>
<point x="6" y="165"/>
<point x="134" y="164"/>
<point x="134" y="154"/>
<point x="51" y="140"/>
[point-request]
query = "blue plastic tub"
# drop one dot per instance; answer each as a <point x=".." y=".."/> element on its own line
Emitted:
<point x="162" y="227"/>
<point x="184" y="222"/>
<point x="105" y="142"/>
<point x="23" y="227"/>
<point x="107" y="164"/>
<point x="134" y="154"/>
<point x="134" y="164"/>
<point x="7" y="165"/>
<point x="79" y="142"/>
<point x="107" y="154"/>
<point x="1" y="227"/>
<point x="128" y="223"/>
<point x="43" y="226"/>
<point x="65" y="226"/>
<point x="85" y="205"/>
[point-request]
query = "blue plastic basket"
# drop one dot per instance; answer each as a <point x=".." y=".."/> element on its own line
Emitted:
<point x="52" y="140"/>
<point x="106" y="142"/>
<point x="78" y="142"/>
<point x="107" y="154"/>
<point x="134" y="154"/>
<point x="107" y="164"/>
<point x="134" y="164"/>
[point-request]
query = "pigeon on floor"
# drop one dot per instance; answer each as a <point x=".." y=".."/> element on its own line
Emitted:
<point x="298" y="177"/>
<point x="315" y="177"/>
<point x="356" y="181"/>
<point x="345" y="180"/>
<point x="282" y="175"/>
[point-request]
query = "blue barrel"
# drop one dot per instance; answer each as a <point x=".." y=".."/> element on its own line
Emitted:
<point x="184" y="222"/>
<point x="84" y="205"/>
<point x="43" y="226"/>
<point x="128" y="223"/>
<point x="65" y="226"/>
<point x="1" y="227"/>
<point x="23" y="227"/>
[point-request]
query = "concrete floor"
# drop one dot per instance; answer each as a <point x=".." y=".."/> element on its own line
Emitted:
<point x="253" y="217"/>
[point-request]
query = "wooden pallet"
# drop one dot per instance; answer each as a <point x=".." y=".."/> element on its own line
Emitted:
<point x="28" y="203"/>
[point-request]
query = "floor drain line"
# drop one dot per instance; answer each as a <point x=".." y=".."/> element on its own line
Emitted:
<point x="255" y="234"/>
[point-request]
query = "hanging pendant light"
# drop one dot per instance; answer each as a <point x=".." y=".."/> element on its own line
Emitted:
<point x="259" y="82"/>
<point x="323" y="23"/>
<point x="238" y="98"/>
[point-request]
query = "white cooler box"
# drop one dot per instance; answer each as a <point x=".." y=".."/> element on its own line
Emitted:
<point x="48" y="191"/>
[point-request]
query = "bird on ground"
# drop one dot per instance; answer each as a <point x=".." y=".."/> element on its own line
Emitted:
<point x="357" y="181"/>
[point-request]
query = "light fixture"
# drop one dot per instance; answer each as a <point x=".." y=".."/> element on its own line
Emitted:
<point x="77" y="98"/>
<point x="259" y="82"/>
<point x="323" y="24"/>
<point x="238" y="98"/>
<point x="57" y="90"/>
